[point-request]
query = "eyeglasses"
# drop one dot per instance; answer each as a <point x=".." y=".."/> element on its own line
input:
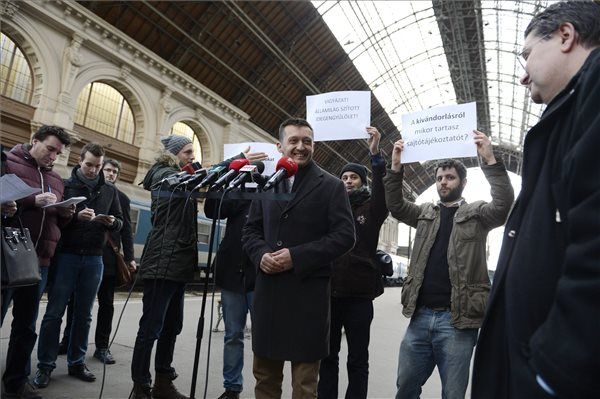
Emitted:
<point x="523" y="55"/>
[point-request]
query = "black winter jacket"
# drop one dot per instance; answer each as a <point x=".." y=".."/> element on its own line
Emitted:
<point x="234" y="271"/>
<point x="356" y="274"/>
<point x="171" y="250"/>
<point x="89" y="237"/>
<point x="543" y="312"/>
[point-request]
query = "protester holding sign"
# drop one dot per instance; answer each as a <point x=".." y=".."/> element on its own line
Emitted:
<point x="447" y="286"/>
<point x="356" y="279"/>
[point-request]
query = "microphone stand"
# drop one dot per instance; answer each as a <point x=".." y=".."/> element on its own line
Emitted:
<point x="200" y="329"/>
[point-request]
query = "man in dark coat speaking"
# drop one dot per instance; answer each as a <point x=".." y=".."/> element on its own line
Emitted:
<point x="292" y="244"/>
<point x="539" y="338"/>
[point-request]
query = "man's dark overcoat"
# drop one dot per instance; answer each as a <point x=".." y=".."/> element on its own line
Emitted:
<point x="543" y="315"/>
<point x="290" y="315"/>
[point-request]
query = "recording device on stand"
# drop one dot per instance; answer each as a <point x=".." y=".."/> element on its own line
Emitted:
<point x="234" y="170"/>
<point x="286" y="167"/>
<point x="191" y="180"/>
<point x="212" y="175"/>
<point x="187" y="172"/>
<point x="248" y="173"/>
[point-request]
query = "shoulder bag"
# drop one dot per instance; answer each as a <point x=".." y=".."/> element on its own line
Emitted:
<point x="122" y="273"/>
<point x="20" y="264"/>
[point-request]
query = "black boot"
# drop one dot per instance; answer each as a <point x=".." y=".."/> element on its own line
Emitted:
<point x="164" y="389"/>
<point x="229" y="395"/>
<point x="141" y="392"/>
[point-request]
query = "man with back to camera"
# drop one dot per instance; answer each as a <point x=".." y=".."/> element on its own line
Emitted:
<point x="168" y="262"/>
<point x="111" y="169"/>
<point x="447" y="286"/>
<point x="78" y="269"/>
<point x="539" y="338"/>
<point x="356" y="278"/>
<point x="33" y="164"/>
<point x="235" y="275"/>
<point x="292" y="245"/>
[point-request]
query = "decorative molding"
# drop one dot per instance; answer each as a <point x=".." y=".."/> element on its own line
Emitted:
<point x="125" y="72"/>
<point x="101" y="34"/>
<point x="8" y="8"/>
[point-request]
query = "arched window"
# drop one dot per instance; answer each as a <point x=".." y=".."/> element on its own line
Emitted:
<point x="102" y="108"/>
<point x="15" y="73"/>
<point x="183" y="129"/>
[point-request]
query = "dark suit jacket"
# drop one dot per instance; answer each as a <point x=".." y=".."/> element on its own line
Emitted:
<point x="290" y="315"/>
<point x="233" y="271"/>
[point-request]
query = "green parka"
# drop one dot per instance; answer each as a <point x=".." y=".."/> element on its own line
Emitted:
<point x="466" y="249"/>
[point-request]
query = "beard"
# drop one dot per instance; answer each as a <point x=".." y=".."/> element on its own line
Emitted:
<point x="452" y="195"/>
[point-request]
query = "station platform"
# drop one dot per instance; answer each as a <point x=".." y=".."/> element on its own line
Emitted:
<point x="387" y="330"/>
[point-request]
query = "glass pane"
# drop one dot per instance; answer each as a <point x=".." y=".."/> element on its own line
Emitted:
<point x="15" y="73"/>
<point x="105" y="110"/>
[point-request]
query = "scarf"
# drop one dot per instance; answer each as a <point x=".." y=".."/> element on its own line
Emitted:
<point x="359" y="196"/>
<point x="91" y="183"/>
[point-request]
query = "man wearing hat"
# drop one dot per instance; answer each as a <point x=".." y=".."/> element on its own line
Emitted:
<point x="356" y="279"/>
<point x="168" y="262"/>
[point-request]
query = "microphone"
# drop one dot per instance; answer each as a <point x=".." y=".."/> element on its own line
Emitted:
<point x="286" y="167"/>
<point x="186" y="170"/>
<point x="212" y="175"/>
<point x="246" y="174"/>
<point x="193" y="179"/>
<point x="234" y="168"/>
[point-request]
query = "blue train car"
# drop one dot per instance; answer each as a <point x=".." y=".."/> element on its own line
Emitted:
<point x="141" y="226"/>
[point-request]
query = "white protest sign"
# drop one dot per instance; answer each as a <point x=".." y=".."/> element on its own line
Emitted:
<point x="437" y="133"/>
<point x="230" y="150"/>
<point x="339" y="115"/>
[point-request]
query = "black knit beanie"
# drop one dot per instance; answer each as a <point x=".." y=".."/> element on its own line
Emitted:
<point x="175" y="143"/>
<point x="359" y="169"/>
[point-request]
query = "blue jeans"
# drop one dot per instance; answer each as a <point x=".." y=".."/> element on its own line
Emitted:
<point x="79" y="275"/>
<point x="162" y="320"/>
<point x="430" y="340"/>
<point x="235" y="310"/>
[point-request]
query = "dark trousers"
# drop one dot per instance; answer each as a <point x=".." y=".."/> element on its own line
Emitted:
<point x="22" y="335"/>
<point x="355" y="316"/>
<point x="162" y="320"/>
<point x="106" y="310"/>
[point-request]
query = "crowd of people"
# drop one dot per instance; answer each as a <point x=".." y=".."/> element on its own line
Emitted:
<point x="306" y="268"/>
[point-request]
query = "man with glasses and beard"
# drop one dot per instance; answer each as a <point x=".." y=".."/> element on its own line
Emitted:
<point x="540" y="334"/>
<point x="446" y="290"/>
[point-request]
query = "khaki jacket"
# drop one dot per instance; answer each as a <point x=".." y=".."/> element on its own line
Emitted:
<point x="466" y="249"/>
